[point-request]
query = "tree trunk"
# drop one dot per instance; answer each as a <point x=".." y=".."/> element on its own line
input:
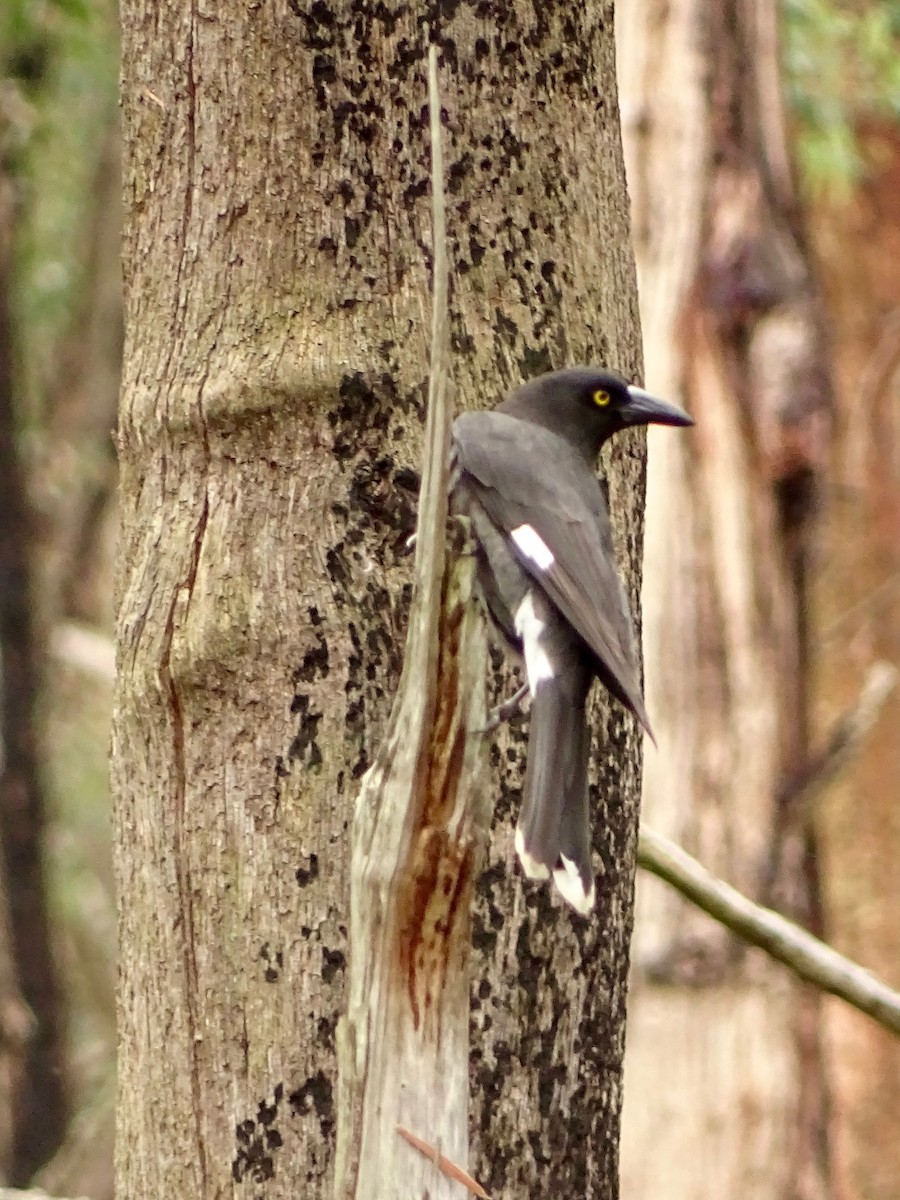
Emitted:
<point x="276" y="280"/>
<point x="78" y="476"/>
<point x="859" y="602"/>
<point x="731" y="322"/>
<point x="33" y="1036"/>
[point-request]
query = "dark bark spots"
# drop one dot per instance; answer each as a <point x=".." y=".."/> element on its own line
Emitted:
<point x="257" y="1137"/>
<point x="336" y="566"/>
<point x="549" y="1081"/>
<point x="376" y="509"/>
<point x="274" y="961"/>
<point x="511" y="151"/>
<point x="309" y="873"/>
<point x="253" y="1160"/>
<point x="361" y="765"/>
<point x="323" y="73"/>
<point x="325" y="1031"/>
<point x="355" y="718"/>
<point x="354" y="663"/>
<point x="352" y="229"/>
<point x="361" y="411"/>
<point x="387" y="507"/>
<point x="458" y="172"/>
<point x="487" y="918"/>
<point x="409" y="56"/>
<point x="332" y="962"/>
<point x="409" y="480"/>
<point x="319" y="24"/>
<point x="305" y="747"/>
<point x="315" y="661"/>
<point x="315" y="1095"/>
<point x="414" y="192"/>
<point x="535" y="361"/>
<point x="507" y="329"/>
<point x="463" y="343"/>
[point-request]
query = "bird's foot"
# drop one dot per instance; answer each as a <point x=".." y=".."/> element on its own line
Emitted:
<point x="497" y="716"/>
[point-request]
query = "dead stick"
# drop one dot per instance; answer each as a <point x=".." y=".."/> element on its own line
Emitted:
<point x="843" y="744"/>
<point x="810" y="959"/>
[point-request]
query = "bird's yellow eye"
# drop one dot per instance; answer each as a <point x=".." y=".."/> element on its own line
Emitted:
<point x="601" y="398"/>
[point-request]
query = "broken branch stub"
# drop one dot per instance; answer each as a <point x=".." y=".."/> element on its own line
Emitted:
<point x="403" y="1045"/>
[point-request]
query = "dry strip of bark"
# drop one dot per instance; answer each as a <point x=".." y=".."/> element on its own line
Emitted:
<point x="403" y="1056"/>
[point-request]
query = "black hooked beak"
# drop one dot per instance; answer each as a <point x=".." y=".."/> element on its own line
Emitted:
<point x="644" y="409"/>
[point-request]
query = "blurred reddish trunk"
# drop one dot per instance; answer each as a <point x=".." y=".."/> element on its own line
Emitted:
<point x="732" y="327"/>
<point x="859" y="608"/>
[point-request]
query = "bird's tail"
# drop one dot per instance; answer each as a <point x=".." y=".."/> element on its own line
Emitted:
<point x="553" y="835"/>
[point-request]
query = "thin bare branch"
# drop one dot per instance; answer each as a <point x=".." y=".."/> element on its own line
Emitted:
<point x="881" y="593"/>
<point x="805" y="955"/>
<point x="843" y="744"/>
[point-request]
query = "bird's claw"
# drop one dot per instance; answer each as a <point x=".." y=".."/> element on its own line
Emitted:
<point x="502" y="713"/>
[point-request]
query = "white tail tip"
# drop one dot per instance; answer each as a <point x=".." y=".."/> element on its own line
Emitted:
<point x="570" y="886"/>
<point x="532" y="868"/>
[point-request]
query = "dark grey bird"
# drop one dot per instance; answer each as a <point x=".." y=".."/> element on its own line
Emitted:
<point x="525" y="475"/>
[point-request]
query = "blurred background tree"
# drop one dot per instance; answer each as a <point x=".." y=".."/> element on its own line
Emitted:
<point x="59" y="358"/>
<point x="58" y="67"/>
<point x="757" y="535"/>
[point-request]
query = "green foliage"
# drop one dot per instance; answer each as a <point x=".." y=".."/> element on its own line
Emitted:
<point x="58" y="69"/>
<point x="842" y="62"/>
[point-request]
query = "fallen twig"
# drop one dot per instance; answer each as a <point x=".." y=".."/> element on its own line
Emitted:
<point x="443" y="1163"/>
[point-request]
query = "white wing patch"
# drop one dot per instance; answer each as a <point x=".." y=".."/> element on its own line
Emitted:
<point x="533" y="546"/>
<point x="570" y="886"/>
<point x="529" y="627"/>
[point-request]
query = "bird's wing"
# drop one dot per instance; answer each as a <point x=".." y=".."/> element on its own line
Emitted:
<point x="549" y="503"/>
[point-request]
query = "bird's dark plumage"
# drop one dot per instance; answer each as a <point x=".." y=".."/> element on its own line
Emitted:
<point x="524" y="473"/>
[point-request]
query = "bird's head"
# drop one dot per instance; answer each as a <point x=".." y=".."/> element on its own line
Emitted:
<point x="587" y="405"/>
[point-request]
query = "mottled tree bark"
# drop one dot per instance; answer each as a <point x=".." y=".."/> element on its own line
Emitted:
<point x="276" y="285"/>
<point x="732" y="326"/>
